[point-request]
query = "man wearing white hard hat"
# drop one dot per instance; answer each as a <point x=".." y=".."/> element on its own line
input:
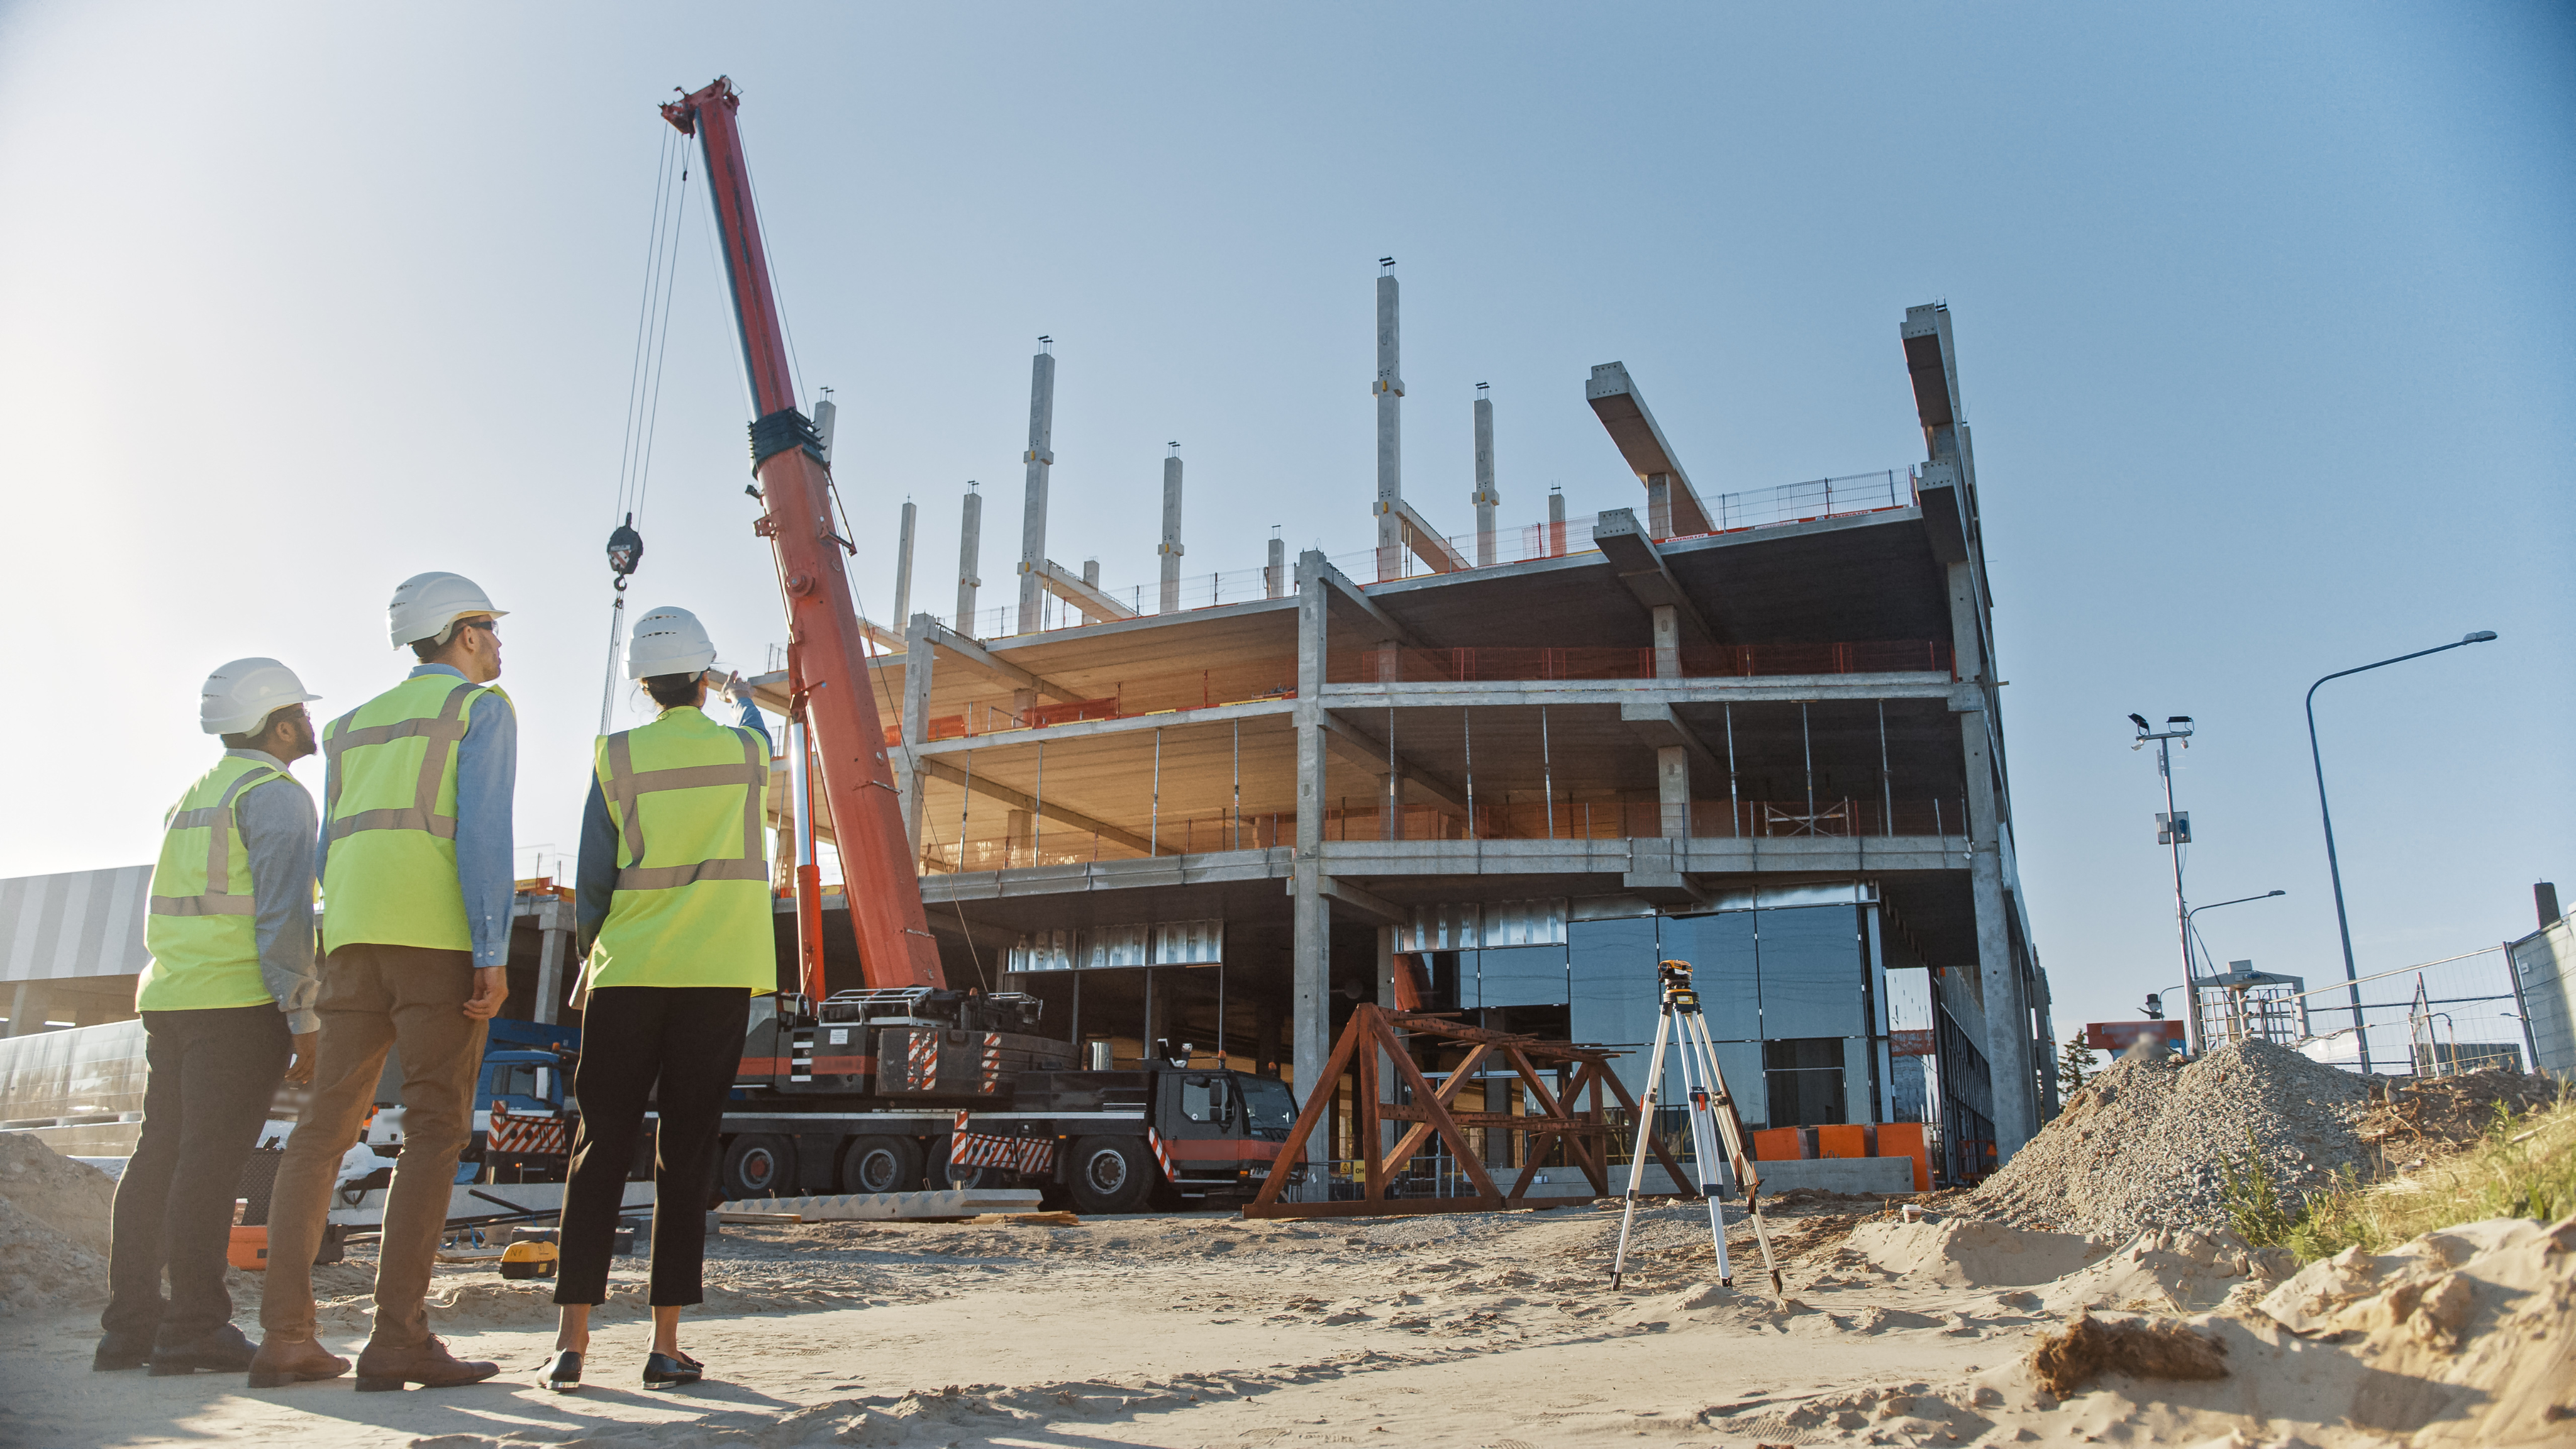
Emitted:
<point x="415" y="860"/>
<point x="672" y="918"/>
<point x="226" y="1000"/>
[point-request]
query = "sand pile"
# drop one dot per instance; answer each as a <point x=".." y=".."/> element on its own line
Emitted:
<point x="2143" y="1147"/>
<point x="74" y="1198"/>
<point x="53" y="1227"/>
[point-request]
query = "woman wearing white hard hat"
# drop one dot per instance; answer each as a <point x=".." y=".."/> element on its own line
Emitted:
<point x="672" y="918"/>
<point x="226" y="1000"/>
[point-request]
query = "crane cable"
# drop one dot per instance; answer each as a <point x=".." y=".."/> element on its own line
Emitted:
<point x="644" y="395"/>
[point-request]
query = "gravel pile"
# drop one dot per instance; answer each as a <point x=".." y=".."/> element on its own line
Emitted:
<point x="2143" y="1146"/>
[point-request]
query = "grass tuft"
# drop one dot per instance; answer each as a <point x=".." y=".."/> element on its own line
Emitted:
<point x="2520" y="1167"/>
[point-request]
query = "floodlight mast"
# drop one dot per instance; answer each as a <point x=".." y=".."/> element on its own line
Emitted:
<point x="2177" y="834"/>
<point x="826" y="654"/>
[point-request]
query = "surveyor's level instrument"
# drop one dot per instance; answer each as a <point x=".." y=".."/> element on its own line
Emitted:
<point x="1717" y="1134"/>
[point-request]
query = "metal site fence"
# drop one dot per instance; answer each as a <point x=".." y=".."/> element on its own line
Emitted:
<point x="1728" y="512"/>
<point x="2432" y="1019"/>
<point x="1243" y="681"/>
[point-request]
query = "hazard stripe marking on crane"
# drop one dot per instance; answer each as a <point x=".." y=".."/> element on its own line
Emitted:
<point x="1154" y="1139"/>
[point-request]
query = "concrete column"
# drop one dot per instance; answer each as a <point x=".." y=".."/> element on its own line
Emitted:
<point x="1486" y="497"/>
<point x="1040" y="457"/>
<point x="1274" y="574"/>
<point x="1310" y="999"/>
<point x="1091" y="572"/>
<point x="26" y="1009"/>
<point x="970" y="537"/>
<point x="554" y="934"/>
<point x="2046" y="1046"/>
<point x="1659" y="505"/>
<point x="918" y="669"/>
<point x="1672" y="789"/>
<point x="1170" y="602"/>
<point x="903" y="566"/>
<point x="1668" y="641"/>
<point x="1389" y="389"/>
<point x="1555" y="523"/>
<point x="2007" y="1044"/>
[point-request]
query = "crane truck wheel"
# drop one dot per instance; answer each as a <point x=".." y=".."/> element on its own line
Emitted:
<point x="881" y="1164"/>
<point x="943" y="1177"/>
<point x="759" y="1165"/>
<point x="1110" y="1174"/>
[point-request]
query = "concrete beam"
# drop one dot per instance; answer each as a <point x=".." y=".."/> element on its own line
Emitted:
<point x="1425" y="541"/>
<point x="1622" y="410"/>
<point x="1658" y="728"/>
<point x="1375" y="907"/>
<point x="1081" y="592"/>
<point x="995" y="665"/>
<point x="1020" y="800"/>
<point x="883" y="637"/>
<point x="1641" y="568"/>
<point x="1373" y="620"/>
<point x="1097" y="728"/>
<point x="1369" y="753"/>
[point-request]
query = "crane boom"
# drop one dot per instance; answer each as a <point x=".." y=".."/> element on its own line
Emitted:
<point x="827" y="655"/>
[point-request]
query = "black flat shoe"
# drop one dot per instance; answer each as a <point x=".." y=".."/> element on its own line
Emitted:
<point x="114" y="1354"/>
<point x="661" y="1371"/>
<point x="564" y="1374"/>
<point x="225" y="1351"/>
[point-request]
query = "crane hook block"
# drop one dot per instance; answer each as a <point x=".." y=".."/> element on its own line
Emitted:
<point x="625" y="550"/>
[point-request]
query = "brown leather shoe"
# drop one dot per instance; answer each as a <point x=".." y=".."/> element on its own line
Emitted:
<point x="385" y="1369"/>
<point x="284" y="1361"/>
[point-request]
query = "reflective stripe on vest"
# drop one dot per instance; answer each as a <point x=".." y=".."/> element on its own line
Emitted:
<point x="696" y="910"/>
<point x="440" y="731"/>
<point x="389" y="819"/>
<point x="201" y="924"/>
<point x="626" y="788"/>
<point x="217" y="821"/>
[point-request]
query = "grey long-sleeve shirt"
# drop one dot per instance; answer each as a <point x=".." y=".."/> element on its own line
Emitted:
<point x="278" y="823"/>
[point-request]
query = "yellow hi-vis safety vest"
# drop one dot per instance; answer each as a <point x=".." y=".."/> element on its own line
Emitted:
<point x="202" y="931"/>
<point x="390" y="876"/>
<point x="692" y="904"/>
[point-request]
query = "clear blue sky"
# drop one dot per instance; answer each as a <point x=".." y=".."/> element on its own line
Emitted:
<point x="2264" y="314"/>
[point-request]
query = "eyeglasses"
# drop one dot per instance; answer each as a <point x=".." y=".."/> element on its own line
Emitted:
<point x="488" y="626"/>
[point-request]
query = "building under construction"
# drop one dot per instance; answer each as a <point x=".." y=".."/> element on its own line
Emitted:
<point x="1504" y="774"/>
<point x="1501" y="774"/>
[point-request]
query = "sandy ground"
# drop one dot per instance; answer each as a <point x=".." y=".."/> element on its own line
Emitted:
<point x="1470" y="1330"/>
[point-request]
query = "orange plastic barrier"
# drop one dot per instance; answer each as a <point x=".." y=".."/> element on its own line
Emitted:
<point x="1779" y="1144"/>
<point x="248" y="1250"/>
<point x="1905" y="1139"/>
<point x="1842" y="1140"/>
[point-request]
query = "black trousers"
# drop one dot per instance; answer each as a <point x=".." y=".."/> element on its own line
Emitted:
<point x="211" y="1075"/>
<point x="678" y="1047"/>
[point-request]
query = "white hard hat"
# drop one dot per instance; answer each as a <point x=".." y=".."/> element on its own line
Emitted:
<point x="668" y="641"/>
<point x="427" y="604"/>
<point x="241" y="694"/>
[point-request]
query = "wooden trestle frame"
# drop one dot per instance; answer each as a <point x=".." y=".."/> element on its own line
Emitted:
<point x="1584" y="1134"/>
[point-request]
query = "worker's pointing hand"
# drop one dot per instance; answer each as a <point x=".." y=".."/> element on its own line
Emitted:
<point x="491" y="988"/>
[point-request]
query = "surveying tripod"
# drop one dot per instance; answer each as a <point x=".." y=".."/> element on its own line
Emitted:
<point x="1712" y="1119"/>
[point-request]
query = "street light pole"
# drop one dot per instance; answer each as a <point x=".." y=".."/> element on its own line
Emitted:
<point x="2334" y="869"/>
<point x="2214" y="905"/>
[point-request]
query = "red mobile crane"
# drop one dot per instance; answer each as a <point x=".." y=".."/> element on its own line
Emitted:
<point x="906" y="1082"/>
<point x="827" y="671"/>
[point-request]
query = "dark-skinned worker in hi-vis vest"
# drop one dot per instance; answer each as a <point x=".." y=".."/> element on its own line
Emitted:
<point x="672" y="920"/>
<point x="226" y="1001"/>
<point x="415" y="859"/>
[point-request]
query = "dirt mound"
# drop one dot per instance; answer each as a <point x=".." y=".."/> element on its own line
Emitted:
<point x="2426" y="1117"/>
<point x="2144" y="1146"/>
<point x="73" y="1198"/>
<point x="1968" y="1253"/>
<point x="42" y="1270"/>
<point x="2089" y="1347"/>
